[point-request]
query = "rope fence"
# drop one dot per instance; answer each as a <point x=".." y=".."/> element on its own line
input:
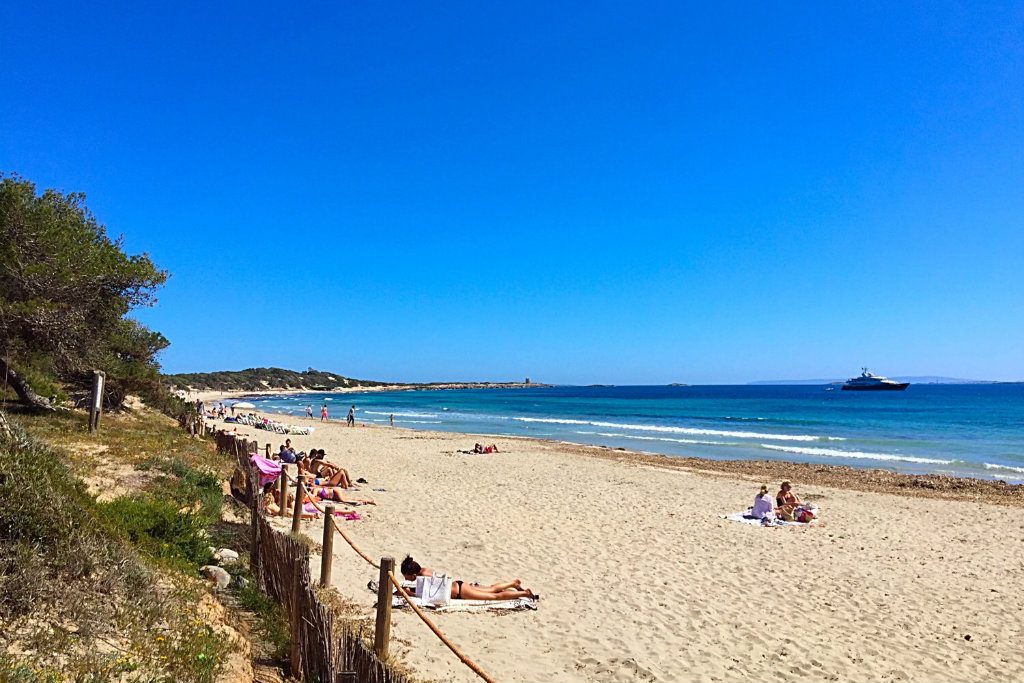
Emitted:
<point x="281" y="565"/>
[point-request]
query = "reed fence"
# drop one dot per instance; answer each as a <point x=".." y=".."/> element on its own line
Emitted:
<point x="324" y="647"/>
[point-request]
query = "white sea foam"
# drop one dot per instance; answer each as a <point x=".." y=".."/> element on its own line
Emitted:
<point x="662" y="438"/>
<point x="833" y="453"/>
<point x="410" y="414"/>
<point x="680" y="430"/>
<point x="1004" y="468"/>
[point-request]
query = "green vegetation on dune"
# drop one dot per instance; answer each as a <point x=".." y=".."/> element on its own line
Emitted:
<point x="93" y="590"/>
<point x="261" y="379"/>
<point x="101" y="535"/>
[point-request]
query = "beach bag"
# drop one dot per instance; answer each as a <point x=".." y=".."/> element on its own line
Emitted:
<point x="804" y="515"/>
<point x="434" y="590"/>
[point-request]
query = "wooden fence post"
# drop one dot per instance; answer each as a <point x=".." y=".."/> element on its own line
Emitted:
<point x="255" y="496"/>
<point x="297" y="512"/>
<point x="295" y="619"/>
<point x="283" y="493"/>
<point x="268" y="450"/>
<point x="382" y="631"/>
<point x="327" y="556"/>
<point x="96" y="404"/>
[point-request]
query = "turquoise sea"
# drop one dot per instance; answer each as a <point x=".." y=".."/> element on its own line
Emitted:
<point x="967" y="430"/>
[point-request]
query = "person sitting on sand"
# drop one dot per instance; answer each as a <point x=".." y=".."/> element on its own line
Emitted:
<point x="315" y="465"/>
<point x="505" y="590"/>
<point x="328" y="474"/>
<point x="299" y="455"/>
<point x="787" y="501"/>
<point x="286" y="455"/>
<point x="762" y="505"/>
<point x="270" y="502"/>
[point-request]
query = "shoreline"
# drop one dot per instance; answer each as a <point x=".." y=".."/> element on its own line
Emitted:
<point x="873" y="480"/>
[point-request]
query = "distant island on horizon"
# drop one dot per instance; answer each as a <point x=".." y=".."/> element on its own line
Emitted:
<point x="257" y="380"/>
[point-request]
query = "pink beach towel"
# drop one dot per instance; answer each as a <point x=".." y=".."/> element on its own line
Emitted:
<point x="269" y="470"/>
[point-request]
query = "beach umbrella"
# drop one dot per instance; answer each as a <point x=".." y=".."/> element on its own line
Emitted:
<point x="244" y="405"/>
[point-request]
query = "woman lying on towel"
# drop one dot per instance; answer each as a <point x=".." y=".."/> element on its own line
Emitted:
<point x="315" y="494"/>
<point x="506" y="590"/>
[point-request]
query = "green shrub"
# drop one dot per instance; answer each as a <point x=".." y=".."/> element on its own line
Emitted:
<point x="159" y="528"/>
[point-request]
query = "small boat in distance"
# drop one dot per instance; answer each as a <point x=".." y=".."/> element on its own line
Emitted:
<point x="871" y="382"/>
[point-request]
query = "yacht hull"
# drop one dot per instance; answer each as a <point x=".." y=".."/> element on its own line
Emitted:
<point x="878" y="387"/>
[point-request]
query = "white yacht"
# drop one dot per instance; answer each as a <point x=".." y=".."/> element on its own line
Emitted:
<point x="871" y="382"/>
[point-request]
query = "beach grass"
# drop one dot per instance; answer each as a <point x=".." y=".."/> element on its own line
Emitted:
<point x="96" y="587"/>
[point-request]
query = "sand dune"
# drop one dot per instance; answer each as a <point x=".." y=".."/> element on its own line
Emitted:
<point x="643" y="581"/>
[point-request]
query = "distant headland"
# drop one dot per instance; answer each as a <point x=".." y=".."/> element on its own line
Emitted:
<point x="281" y="380"/>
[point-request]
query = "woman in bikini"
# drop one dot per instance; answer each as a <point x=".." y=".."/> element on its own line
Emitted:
<point x="787" y="501"/>
<point x="315" y="494"/>
<point x="505" y="590"/>
<point x="316" y="466"/>
<point x="336" y="494"/>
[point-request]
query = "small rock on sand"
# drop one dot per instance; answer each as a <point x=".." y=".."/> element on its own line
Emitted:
<point x="215" y="575"/>
<point x="225" y="556"/>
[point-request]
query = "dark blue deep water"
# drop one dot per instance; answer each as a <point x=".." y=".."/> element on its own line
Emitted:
<point x="968" y="430"/>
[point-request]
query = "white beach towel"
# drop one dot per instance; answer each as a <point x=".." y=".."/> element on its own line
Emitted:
<point x="743" y="518"/>
<point x="398" y="602"/>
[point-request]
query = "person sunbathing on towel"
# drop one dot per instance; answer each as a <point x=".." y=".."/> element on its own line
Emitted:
<point x="787" y="502"/>
<point x="505" y="590"/>
<point x="337" y="495"/>
<point x="314" y="493"/>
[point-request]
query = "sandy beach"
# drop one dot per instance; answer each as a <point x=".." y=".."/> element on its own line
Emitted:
<point x="642" y="579"/>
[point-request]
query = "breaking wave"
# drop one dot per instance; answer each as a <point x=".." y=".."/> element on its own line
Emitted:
<point x="833" y="453"/>
<point x="693" y="431"/>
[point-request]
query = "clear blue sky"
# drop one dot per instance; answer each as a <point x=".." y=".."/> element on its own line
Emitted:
<point x="575" y="191"/>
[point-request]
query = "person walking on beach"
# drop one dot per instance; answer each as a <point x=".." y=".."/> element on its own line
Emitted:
<point x="351" y="417"/>
<point x="309" y="411"/>
<point x="323" y="413"/>
<point x="391" y="419"/>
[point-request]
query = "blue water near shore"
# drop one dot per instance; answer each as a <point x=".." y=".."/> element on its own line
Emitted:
<point x="964" y="430"/>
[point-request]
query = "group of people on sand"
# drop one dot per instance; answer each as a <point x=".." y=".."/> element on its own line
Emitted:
<point x="787" y="506"/>
<point x="324" y="481"/>
<point x="212" y="411"/>
<point x="329" y="482"/>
